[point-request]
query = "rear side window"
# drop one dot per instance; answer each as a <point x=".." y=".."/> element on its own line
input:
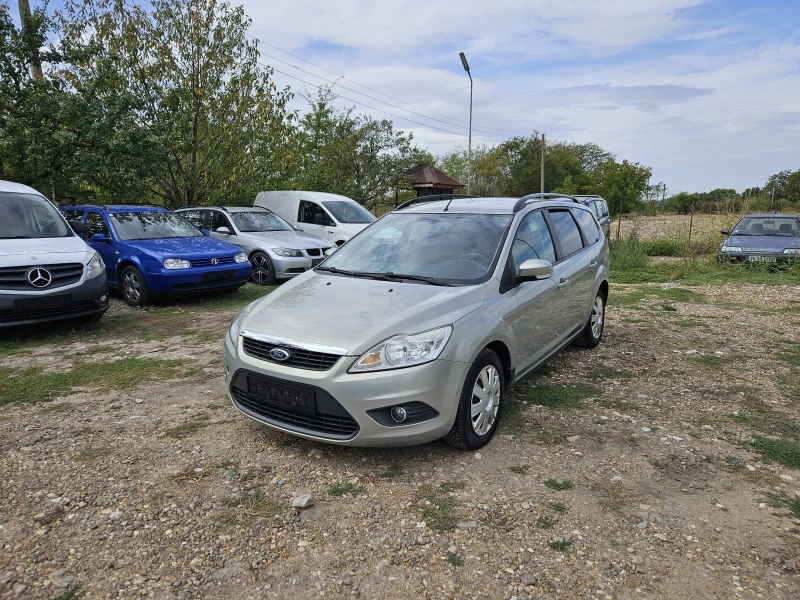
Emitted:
<point x="605" y="209"/>
<point x="73" y="215"/>
<point x="567" y="232"/>
<point x="533" y="240"/>
<point x="195" y="217"/>
<point x="95" y="223"/>
<point x="588" y="225"/>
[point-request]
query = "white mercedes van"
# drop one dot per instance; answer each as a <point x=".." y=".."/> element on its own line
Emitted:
<point x="47" y="272"/>
<point x="330" y="216"/>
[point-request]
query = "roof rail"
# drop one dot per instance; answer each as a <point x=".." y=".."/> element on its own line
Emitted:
<point x="522" y="202"/>
<point x="433" y="198"/>
<point x="75" y="206"/>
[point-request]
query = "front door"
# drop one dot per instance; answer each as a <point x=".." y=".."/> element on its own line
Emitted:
<point x="96" y="223"/>
<point x="542" y="306"/>
<point x="313" y="219"/>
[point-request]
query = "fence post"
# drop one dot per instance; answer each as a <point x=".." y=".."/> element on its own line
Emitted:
<point x="691" y="220"/>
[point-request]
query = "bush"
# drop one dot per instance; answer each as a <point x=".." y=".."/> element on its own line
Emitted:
<point x="662" y="247"/>
<point x="629" y="253"/>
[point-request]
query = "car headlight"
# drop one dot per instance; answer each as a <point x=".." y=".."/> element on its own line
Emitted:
<point x="240" y="258"/>
<point x="731" y="249"/>
<point x="287" y="252"/>
<point x="236" y="326"/>
<point x="792" y="251"/>
<point x="96" y="267"/>
<point x="401" y="351"/>
<point x="176" y="263"/>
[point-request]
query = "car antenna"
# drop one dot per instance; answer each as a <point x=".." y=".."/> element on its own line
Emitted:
<point x="448" y="204"/>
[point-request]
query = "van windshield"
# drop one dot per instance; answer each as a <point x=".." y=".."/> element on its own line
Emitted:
<point x="152" y="226"/>
<point x="446" y="249"/>
<point x="348" y="212"/>
<point x="26" y="216"/>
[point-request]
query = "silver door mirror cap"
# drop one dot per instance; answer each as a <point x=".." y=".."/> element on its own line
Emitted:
<point x="330" y="251"/>
<point x="222" y="230"/>
<point x="536" y="269"/>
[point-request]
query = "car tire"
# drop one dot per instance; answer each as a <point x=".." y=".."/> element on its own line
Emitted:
<point x="471" y="431"/>
<point x="592" y="332"/>
<point x="263" y="269"/>
<point x="133" y="286"/>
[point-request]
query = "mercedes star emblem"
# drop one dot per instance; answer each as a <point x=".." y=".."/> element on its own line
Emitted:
<point x="40" y="278"/>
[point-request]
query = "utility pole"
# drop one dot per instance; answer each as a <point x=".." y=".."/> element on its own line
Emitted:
<point x="541" y="184"/>
<point x="469" y="147"/>
<point x="26" y="18"/>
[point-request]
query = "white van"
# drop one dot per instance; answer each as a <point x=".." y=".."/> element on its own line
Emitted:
<point x="330" y="216"/>
<point x="47" y="272"/>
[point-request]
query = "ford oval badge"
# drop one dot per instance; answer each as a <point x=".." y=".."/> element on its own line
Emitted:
<point x="279" y="354"/>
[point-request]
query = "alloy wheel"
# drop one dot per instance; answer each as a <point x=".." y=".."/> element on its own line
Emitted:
<point x="261" y="269"/>
<point x="132" y="286"/>
<point x="485" y="400"/>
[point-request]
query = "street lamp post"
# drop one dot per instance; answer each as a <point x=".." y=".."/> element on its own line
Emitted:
<point x="469" y="147"/>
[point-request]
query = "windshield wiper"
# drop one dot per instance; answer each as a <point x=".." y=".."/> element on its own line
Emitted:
<point x="17" y="237"/>
<point x="431" y="280"/>
<point x="378" y="276"/>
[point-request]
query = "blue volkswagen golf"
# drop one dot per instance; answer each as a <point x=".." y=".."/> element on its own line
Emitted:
<point x="152" y="253"/>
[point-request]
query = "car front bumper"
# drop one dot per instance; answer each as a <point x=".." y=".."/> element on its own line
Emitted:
<point x="184" y="282"/>
<point x="436" y="384"/>
<point x="83" y="300"/>
<point x="758" y="257"/>
<point x="287" y="267"/>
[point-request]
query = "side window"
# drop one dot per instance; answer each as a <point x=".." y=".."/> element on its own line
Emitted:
<point x="588" y="225"/>
<point x="72" y="214"/>
<point x="308" y="213"/>
<point x="198" y="218"/>
<point x="567" y="232"/>
<point x="533" y="240"/>
<point x="219" y="220"/>
<point x="95" y="223"/>
<point x="605" y="208"/>
<point x="597" y="208"/>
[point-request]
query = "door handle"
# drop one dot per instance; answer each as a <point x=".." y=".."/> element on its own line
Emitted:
<point x="592" y="265"/>
<point x="563" y="283"/>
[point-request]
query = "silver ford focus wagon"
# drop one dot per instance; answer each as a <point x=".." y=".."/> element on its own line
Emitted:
<point x="419" y="326"/>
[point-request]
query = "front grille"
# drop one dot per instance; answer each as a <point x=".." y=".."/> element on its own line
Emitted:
<point x="314" y="251"/>
<point x="209" y="285"/>
<point x="332" y="425"/>
<point x="206" y="262"/>
<point x="76" y="309"/>
<point x="16" y="278"/>
<point x="301" y="359"/>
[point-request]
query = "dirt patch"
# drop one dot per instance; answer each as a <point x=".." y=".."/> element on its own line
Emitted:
<point x="641" y="469"/>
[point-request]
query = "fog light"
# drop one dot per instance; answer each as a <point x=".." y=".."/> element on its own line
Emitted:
<point x="399" y="414"/>
<point x="103" y="298"/>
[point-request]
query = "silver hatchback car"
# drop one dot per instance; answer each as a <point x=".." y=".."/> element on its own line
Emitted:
<point x="275" y="248"/>
<point x="417" y="328"/>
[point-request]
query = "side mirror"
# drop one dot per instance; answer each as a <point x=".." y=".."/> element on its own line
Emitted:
<point x="100" y="237"/>
<point x="330" y="251"/>
<point x="77" y="227"/>
<point x="535" y="269"/>
<point x="724" y="231"/>
<point x="223" y="230"/>
<point x="320" y="219"/>
<point x="205" y="232"/>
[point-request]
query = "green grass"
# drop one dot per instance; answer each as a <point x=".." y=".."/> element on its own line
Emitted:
<point x="763" y="418"/>
<point x="515" y="420"/>
<point x="188" y="428"/>
<point x="519" y="469"/>
<point x="545" y="522"/>
<point x="605" y="372"/>
<point x="711" y="361"/>
<point x="73" y="592"/>
<point x="455" y="560"/>
<point x="247" y="506"/>
<point x="33" y="385"/>
<point x="785" y="452"/>
<point x="393" y="472"/>
<point x="560" y="397"/>
<point x="705" y="271"/>
<point x="792" y="357"/>
<point x="558" y="507"/>
<point x="629" y="253"/>
<point x="560" y="545"/>
<point x="439" y="510"/>
<point x="341" y="489"/>
<point x="559" y="484"/>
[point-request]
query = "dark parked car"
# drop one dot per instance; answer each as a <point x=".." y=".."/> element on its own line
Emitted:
<point x="762" y="238"/>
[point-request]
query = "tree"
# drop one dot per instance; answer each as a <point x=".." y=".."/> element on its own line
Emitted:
<point x="622" y="184"/>
<point x="216" y="128"/>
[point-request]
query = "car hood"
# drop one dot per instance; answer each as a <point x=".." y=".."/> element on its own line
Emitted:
<point x="188" y="248"/>
<point x="356" y="313"/>
<point x="354" y="228"/>
<point x="763" y="243"/>
<point x="288" y="239"/>
<point x="45" y="250"/>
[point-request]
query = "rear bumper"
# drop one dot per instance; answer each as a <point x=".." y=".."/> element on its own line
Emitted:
<point x="84" y="300"/>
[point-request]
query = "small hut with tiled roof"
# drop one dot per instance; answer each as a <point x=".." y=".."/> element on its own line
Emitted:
<point x="429" y="181"/>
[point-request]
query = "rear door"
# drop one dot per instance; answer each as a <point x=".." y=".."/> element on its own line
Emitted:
<point x="575" y="274"/>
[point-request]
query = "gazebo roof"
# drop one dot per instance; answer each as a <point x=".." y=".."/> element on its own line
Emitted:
<point x="427" y="176"/>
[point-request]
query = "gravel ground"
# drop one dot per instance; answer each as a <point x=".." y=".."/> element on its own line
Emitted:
<point x="623" y="472"/>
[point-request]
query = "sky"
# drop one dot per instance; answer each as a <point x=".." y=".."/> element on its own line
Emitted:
<point x="705" y="92"/>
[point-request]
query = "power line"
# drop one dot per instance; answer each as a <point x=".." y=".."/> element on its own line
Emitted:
<point x="373" y="89"/>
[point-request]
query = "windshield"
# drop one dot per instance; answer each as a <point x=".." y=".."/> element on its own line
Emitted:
<point x="259" y="221"/>
<point x="152" y="226"/>
<point x="28" y="216"/>
<point x="349" y="212"/>
<point x="458" y="248"/>
<point x="783" y="226"/>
